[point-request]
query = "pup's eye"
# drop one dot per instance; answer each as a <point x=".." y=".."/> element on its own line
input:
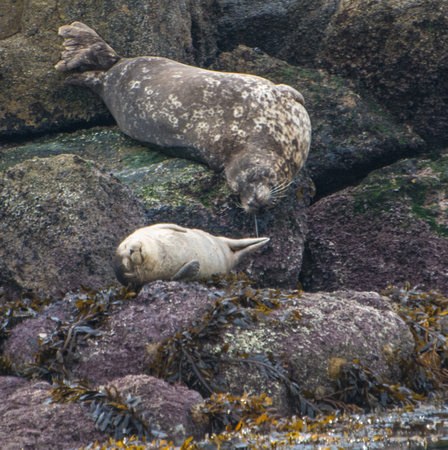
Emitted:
<point x="131" y="251"/>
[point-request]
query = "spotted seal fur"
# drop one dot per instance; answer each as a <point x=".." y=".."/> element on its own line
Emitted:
<point x="169" y="252"/>
<point x="255" y="131"/>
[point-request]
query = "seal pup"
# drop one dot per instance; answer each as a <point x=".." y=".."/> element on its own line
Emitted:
<point x="169" y="252"/>
<point x="257" y="132"/>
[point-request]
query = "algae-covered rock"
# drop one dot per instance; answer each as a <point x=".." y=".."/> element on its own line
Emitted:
<point x="391" y="229"/>
<point x="61" y="219"/>
<point x="397" y="48"/>
<point x="303" y="334"/>
<point x="351" y="133"/>
<point x="165" y="406"/>
<point x="30" y="419"/>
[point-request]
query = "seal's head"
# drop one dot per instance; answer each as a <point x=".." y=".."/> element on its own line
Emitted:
<point x="132" y="260"/>
<point x="257" y="180"/>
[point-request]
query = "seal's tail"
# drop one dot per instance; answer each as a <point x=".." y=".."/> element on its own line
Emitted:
<point x="84" y="49"/>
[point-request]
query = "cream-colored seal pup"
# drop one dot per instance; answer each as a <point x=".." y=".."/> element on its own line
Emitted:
<point x="169" y="252"/>
<point x="257" y="132"/>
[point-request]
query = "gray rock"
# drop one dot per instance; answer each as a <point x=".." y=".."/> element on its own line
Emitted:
<point x="289" y="30"/>
<point x="61" y="219"/>
<point x="398" y="50"/>
<point x="33" y="96"/>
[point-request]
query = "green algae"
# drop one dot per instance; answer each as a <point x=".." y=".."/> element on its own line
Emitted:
<point x="105" y="145"/>
<point x="421" y="186"/>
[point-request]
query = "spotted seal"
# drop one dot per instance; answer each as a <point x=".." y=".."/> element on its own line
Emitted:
<point x="255" y="131"/>
<point x="169" y="252"/>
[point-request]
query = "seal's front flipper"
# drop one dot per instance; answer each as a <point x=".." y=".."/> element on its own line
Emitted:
<point x="188" y="271"/>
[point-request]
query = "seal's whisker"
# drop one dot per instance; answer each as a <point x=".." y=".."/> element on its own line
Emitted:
<point x="278" y="189"/>
<point x="281" y="187"/>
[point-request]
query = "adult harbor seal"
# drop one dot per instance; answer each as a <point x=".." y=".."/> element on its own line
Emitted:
<point x="257" y="132"/>
<point x="169" y="252"/>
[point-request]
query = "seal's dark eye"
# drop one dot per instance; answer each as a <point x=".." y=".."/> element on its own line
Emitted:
<point x="131" y="251"/>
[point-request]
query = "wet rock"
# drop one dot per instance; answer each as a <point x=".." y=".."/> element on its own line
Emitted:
<point x="61" y="219"/>
<point x="398" y="50"/>
<point x="390" y="229"/>
<point x="352" y="134"/>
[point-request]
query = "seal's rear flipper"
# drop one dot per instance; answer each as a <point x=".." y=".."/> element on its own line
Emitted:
<point x="187" y="272"/>
<point x="241" y="247"/>
<point x="84" y="49"/>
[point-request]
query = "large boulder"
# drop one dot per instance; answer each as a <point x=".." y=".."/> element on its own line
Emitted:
<point x="291" y="30"/>
<point x="304" y="334"/>
<point x="61" y="219"/>
<point x="398" y="49"/>
<point x="182" y="192"/>
<point x="390" y="229"/>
